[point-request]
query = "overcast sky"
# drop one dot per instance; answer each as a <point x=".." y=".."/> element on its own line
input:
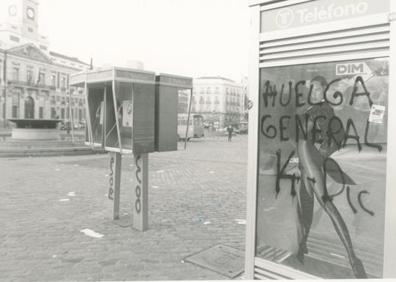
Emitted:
<point x="187" y="37"/>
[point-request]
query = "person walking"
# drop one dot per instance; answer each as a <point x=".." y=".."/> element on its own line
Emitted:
<point x="230" y="130"/>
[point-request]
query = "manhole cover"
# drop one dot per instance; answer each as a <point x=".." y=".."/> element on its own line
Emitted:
<point x="221" y="259"/>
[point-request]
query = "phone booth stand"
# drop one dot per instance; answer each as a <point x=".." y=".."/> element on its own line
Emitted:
<point x="125" y="110"/>
<point x="322" y="133"/>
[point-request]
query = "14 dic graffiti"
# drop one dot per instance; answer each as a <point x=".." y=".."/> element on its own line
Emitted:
<point x="279" y="128"/>
<point x="316" y="132"/>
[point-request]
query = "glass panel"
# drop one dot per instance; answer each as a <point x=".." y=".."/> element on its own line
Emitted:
<point x="183" y="101"/>
<point x="136" y="123"/>
<point x="111" y="137"/>
<point x="322" y="166"/>
<point x="96" y="110"/>
<point x="124" y="114"/>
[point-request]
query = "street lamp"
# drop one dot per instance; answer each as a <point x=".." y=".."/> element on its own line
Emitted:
<point x="70" y="116"/>
<point x="5" y="89"/>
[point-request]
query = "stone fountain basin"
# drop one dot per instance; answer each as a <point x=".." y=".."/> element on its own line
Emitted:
<point x="35" y="129"/>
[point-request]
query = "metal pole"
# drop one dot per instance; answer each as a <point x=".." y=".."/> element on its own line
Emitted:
<point x="188" y="119"/>
<point x="140" y="193"/>
<point x="114" y="182"/>
<point x="5" y="89"/>
<point x="71" y="117"/>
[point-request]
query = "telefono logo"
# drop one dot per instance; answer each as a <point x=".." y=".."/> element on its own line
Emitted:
<point x="286" y="17"/>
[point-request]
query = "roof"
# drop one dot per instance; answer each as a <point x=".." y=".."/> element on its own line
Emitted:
<point x="31" y="51"/>
<point x="73" y="59"/>
<point x="216" y="77"/>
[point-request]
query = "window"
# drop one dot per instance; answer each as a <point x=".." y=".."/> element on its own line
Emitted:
<point x="29" y="76"/>
<point x="53" y="113"/>
<point x="15" y="74"/>
<point x="14" y="38"/>
<point x="288" y="147"/>
<point x="41" y="78"/>
<point x="62" y="113"/>
<point x="53" y="80"/>
<point x="63" y="82"/>
<point x="14" y="111"/>
<point x="201" y="100"/>
<point x="41" y="112"/>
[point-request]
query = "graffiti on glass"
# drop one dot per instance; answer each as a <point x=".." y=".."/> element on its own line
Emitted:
<point x="317" y="133"/>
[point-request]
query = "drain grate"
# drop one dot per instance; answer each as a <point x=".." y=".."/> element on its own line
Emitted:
<point x="221" y="259"/>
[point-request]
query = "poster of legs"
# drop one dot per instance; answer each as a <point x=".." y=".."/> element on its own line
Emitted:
<point x="322" y="167"/>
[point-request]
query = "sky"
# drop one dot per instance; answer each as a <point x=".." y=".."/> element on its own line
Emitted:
<point x="185" y="37"/>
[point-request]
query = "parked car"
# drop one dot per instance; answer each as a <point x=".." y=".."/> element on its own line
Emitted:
<point x="243" y="128"/>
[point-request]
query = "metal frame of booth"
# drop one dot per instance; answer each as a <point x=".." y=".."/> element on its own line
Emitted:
<point x="381" y="44"/>
<point x="142" y="107"/>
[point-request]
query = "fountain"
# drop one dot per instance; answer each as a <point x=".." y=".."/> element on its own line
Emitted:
<point x="35" y="129"/>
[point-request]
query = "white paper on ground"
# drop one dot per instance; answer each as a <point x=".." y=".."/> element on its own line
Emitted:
<point x="64" y="200"/>
<point x="91" y="233"/>
<point x="240" y="221"/>
<point x="71" y="194"/>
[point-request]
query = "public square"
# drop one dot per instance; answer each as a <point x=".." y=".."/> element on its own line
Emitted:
<point x="197" y="200"/>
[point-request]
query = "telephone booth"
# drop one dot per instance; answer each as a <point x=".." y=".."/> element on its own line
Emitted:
<point x="320" y="197"/>
<point x="131" y="112"/>
<point x="167" y="102"/>
<point x="121" y="108"/>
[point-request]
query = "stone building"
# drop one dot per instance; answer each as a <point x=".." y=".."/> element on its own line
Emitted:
<point x="34" y="81"/>
<point x="219" y="100"/>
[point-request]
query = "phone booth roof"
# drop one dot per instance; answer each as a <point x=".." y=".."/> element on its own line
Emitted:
<point x="105" y="75"/>
<point x="176" y="81"/>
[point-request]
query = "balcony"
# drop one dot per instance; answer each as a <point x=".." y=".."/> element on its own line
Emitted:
<point x="31" y="84"/>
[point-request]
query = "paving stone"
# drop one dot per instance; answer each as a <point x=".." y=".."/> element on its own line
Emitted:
<point x="41" y="238"/>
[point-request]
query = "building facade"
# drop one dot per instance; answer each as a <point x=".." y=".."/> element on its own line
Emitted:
<point x="219" y="100"/>
<point x="34" y="81"/>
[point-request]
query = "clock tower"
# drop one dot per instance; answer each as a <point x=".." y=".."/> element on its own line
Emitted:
<point x="19" y="24"/>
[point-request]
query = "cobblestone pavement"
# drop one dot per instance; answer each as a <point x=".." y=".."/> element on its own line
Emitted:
<point x="196" y="201"/>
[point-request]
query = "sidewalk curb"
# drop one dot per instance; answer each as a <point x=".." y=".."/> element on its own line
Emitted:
<point x="51" y="152"/>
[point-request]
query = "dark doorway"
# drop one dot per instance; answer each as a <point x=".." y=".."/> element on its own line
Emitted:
<point x="29" y="107"/>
